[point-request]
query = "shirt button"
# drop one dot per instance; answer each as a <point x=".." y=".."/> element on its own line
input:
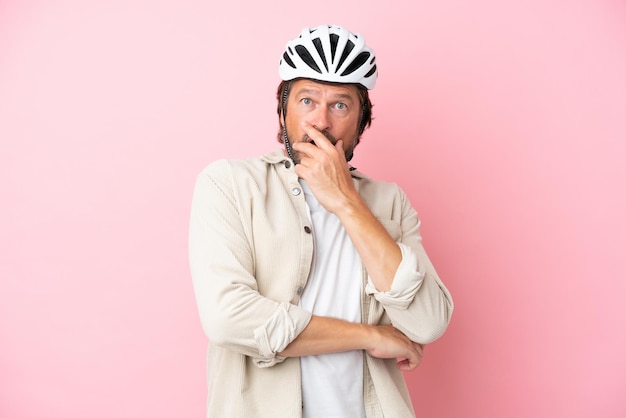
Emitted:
<point x="295" y="191"/>
<point x="299" y="291"/>
<point x="307" y="229"/>
<point x="287" y="164"/>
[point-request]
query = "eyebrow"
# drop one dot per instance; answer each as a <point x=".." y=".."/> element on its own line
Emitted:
<point x="313" y="92"/>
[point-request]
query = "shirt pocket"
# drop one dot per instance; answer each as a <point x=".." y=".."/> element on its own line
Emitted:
<point x="393" y="228"/>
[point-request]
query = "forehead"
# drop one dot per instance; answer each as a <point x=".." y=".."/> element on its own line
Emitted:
<point x="324" y="89"/>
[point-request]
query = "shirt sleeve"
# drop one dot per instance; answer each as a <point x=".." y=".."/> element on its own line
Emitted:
<point x="233" y="313"/>
<point x="406" y="282"/>
<point x="418" y="303"/>
<point x="277" y="332"/>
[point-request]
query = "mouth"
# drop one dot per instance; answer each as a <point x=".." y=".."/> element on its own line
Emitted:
<point x="327" y="134"/>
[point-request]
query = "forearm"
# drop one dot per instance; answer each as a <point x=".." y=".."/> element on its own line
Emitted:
<point x="328" y="335"/>
<point x="325" y="335"/>
<point x="378" y="251"/>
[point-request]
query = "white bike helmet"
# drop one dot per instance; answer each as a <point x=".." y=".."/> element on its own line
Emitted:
<point x="329" y="53"/>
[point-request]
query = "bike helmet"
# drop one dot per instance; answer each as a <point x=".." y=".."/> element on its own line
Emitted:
<point x="329" y="53"/>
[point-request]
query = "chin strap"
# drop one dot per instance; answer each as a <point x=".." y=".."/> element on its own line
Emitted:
<point x="285" y="95"/>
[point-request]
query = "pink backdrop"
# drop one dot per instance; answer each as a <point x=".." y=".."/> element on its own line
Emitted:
<point x="504" y="121"/>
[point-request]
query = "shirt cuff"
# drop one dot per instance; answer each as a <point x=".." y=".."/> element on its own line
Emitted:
<point x="406" y="282"/>
<point x="287" y="322"/>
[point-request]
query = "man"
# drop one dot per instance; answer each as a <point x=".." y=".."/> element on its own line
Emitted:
<point x="311" y="280"/>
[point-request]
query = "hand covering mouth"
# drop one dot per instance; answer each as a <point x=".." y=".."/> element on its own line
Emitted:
<point x="328" y="135"/>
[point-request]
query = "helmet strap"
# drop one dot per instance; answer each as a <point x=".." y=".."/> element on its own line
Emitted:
<point x="284" y="97"/>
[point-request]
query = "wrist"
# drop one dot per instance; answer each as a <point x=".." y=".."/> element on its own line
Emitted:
<point x="369" y="335"/>
<point x="350" y="206"/>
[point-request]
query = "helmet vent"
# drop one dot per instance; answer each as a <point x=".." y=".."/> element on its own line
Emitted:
<point x="334" y="40"/>
<point x="307" y="58"/>
<point x="346" y="51"/>
<point x="288" y="60"/>
<point x="320" y="50"/>
<point x="357" y="63"/>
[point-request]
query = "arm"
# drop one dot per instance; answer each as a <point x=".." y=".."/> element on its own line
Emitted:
<point x="426" y="313"/>
<point x="237" y="317"/>
<point x="329" y="335"/>
<point x="325" y="170"/>
<point x="234" y="314"/>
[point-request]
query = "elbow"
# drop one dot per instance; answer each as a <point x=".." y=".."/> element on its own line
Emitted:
<point x="431" y="334"/>
<point x="442" y="322"/>
<point x="216" y="336"/>
<point x="437" y="317"/>
<point x="431" y="326"/>
<point x="216" y="328"/>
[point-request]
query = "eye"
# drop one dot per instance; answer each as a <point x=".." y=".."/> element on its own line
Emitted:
<point x="306" y="101"/>
<point x="341" y="106"/>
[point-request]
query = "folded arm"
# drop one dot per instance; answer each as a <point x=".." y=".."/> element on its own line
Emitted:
<point x="328" y="335"/>
<point x="234" y="314"/>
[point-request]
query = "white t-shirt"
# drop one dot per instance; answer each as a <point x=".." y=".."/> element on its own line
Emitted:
<point x="332" y="384"/>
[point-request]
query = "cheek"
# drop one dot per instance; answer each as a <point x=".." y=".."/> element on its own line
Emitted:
<point x="348" y="127"/>
<point x="290" y="120"/>
<point x="294" y="130"/>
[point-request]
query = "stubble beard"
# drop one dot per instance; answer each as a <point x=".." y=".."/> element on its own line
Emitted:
<point x="297" y="157"/>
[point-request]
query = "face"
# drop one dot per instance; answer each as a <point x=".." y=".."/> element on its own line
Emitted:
<point x="334" y="109"/>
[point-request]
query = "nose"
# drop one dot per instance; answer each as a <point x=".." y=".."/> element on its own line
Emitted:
<point x="320" y="119"/>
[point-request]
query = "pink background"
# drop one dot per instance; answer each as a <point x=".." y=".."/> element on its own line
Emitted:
<point x="505" y="122"/>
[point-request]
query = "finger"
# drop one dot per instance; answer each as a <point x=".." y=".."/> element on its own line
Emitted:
<point x="306" y="161"/>
<point x="302" y="171"/>
<point x="317" y="137"/>
<point x="305" y="148"/>
<point x="339" y="148"/>
<point x="406" y="365"/>
<point x="308" y="152"/>
<point x="416" y="356"/>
